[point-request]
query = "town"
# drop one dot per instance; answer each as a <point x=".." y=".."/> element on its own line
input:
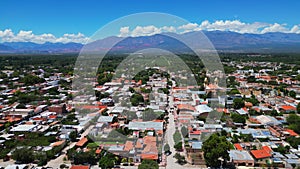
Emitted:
<point x="151" y="119"/>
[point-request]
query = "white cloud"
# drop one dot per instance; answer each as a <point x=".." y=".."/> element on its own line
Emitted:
<point x="221" y="25"/>
<point x="189" y="27"/>
<point x="145" y="31"/>
<point x="276" y="28"/>
<point x="28" y="36"/>
<point x="124" y="31"/>
<point x="295" y="29"/>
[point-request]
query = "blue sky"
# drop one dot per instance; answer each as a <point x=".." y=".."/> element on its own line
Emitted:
<point x="71" y="17"/>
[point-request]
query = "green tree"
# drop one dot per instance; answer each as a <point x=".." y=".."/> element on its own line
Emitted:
<point x="148" y="164"/>
<point x="23" y="155"/>
<point x="73" y="136"/>
<point x="234" y="91"/>
<point x="238" y="103"/>
<point x="180" y="159"/>
<point x="167" y="148"/>
<point x="238" y="118"/>
<point x="216" y="147"/>
<point x="294" y="122"/>
<point x="292" y="94"/>
<point x="184" y="131"/>
<point x="136" y="99"/>
<point x="298" y="108"/>
<point x="85" y="157"/>
<point x="178" y="146"/>
<point x="106" y="162"/>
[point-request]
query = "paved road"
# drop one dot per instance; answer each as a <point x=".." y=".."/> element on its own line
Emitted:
<point x="171" y="161"/>
<point x="55" y="163"/>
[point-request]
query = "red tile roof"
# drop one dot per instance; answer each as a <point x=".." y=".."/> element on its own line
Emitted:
<point x="197" y="132"/>
<point x="98" y="151"/>
<point x="259" y="154"/>
<point x="128" y="146"/>
<point x="288" y="107"/>
<point x="186" y="106"/>
<point x="238" y="146"/>
<point x="81" y="142"/>
<point x="80" y="167"/>
<point x="267" y="149"/>
<point x="291" y="132"/>
<point x="149" y="156"/>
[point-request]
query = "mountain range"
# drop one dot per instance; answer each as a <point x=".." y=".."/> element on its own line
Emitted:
<point x="223" y="41"/>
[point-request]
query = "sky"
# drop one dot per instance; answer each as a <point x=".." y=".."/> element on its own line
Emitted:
<point x="65" y="21"/>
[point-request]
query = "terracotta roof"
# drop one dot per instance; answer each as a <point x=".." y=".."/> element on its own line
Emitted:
<point x="80" y="167"/>
<point x="259" y="154"/>
<point x="128" y="146"/>
<point x="197" y="132"/>
<point x="149" y="156"/>
<point x="52" y="117"/>
<point x="138" y="144"/>
<point x="149" y="139"/>
<point x="186" y="106"/>
<point x="58" y="143"/>
<point x="81" y="142"/>
<point x="291" y="132"/>
<point x="98" y="151"/>
<point x="288" y="107"/>
<point x="238" y="146"/>
<point x="267" y="149"/>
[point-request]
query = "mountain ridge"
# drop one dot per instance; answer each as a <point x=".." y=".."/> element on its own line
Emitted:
<point x="225" y="41"/>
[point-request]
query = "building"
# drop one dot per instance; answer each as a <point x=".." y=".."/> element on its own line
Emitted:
<point x="241" y="158"/>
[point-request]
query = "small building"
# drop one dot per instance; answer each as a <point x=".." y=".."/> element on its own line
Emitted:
<point x="80" y="167"/>
<point x="81" y="142"/>
<point x="59" y="109"/>
<point x="241" y="158"/>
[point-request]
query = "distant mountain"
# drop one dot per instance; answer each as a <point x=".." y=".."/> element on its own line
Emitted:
<point x="222" y="41"/>
<point x="30" y="47"/>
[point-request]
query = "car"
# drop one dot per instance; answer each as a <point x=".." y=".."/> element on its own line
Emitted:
<point x="167" y="153"/>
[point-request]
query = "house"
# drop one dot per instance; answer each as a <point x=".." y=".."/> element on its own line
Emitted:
<point x="59" y="109"/>
<point x="242" y="111"/>
<point x="287" y="108"/>
<point x="80" y="167"/>
<point x="261" y="155"/>
<point x="241" y="158"/>
<point x="145" y="125"/>
<point x="81" y="142"/>
<point x="105" y="119"/>
<point x="203" y="110"/>
<point x="195" y="134"/>
<point x="25" y="128"/>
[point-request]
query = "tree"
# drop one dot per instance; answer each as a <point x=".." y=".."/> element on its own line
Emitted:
<point x="251" y="79"/>
<point x="23" y="155"/>
<point x="180" y="159"/>
<point x="73" y="136"/>
<point x="85" y="157"/>
<point x="184" y="131"/>
<point x="167" y="148"/>
<point x="234" y="91"/>
<point x="216" y="147"/>
<point x="294" y="122"/>
<point x="238" y="118"/>
<point x="298" y="108"/>
<point x="106" y="162"/>
<point x="178" y="146"/>
<point x="148" y="164"/>
<point x="292" y="94"/>
<point x="136" y="99"/>
<point x="238" y="103"/>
